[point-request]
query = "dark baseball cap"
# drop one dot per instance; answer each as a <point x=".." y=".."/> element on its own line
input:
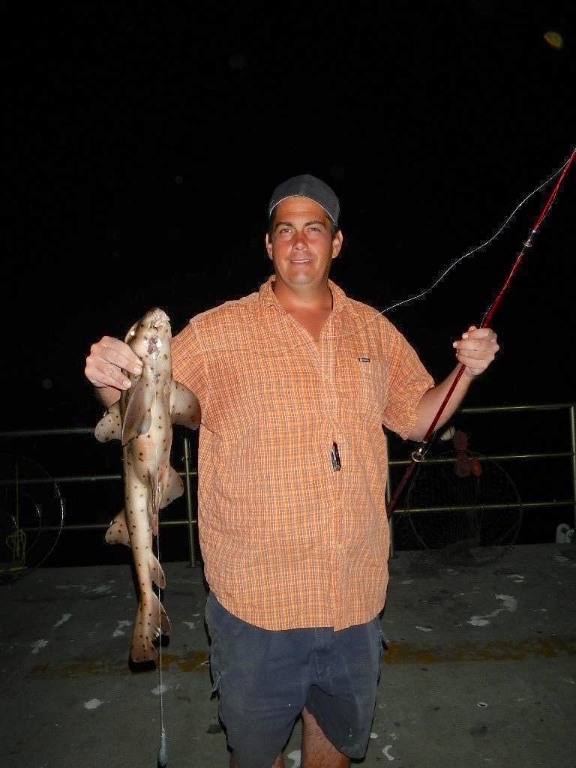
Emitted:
<point x="307" y="186"/>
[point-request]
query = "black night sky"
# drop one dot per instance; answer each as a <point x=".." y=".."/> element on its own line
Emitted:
<point x="143" y="143"/>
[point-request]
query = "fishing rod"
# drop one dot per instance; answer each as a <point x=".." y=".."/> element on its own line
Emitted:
<point x="418" y="455"/>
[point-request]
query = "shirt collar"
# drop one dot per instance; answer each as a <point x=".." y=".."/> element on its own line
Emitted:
<point x="268" y="297"/>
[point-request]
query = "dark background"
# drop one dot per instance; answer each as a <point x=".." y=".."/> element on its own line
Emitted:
<point x="144" y="142"/>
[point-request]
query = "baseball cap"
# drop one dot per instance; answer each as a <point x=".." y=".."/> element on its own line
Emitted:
<point x="307" y="186"/>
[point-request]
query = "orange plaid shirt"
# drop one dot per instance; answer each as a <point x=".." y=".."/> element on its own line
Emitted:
<point x="288" y="541"/>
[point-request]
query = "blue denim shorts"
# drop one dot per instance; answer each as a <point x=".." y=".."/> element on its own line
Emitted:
<point x="265" y="679"/>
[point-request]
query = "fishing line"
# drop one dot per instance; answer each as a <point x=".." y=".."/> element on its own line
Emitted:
<point x="163" y="748"/>
<point x="480" y="247"/>
<point x="560" y="172"/>
<point x="417" y="455"/>
<point x="420" y="453"/>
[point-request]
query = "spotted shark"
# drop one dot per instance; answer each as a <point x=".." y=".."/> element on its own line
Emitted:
<point x="142" y="419"/>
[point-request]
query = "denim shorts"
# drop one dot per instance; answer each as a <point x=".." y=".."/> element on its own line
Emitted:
<point x="265" y="678"/>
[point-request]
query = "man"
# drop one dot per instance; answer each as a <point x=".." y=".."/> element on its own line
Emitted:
<point x="294" y="383"/>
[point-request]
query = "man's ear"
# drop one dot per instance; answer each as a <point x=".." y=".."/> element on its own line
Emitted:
<point x="337" y="243"/>
<point x="268" y="245"/>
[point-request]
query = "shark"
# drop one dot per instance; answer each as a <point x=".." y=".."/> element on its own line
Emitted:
<point x="142" y="419"/>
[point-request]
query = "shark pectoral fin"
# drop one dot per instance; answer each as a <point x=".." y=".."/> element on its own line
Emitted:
<point x="110" y="425"/>
<point x="156" y="571"/>
<point x="184" y="406"/>
<point x="138" y="414"/>
<point x="117" y="532"/>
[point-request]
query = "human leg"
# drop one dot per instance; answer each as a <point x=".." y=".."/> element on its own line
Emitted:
<point x="260" y="692"/>
<point x="265" y="679"/>
<point x="342" y="697"/>
<point x="317" y="751"/>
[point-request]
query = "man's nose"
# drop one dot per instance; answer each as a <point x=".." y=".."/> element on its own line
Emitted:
<point x="300" y="240"/>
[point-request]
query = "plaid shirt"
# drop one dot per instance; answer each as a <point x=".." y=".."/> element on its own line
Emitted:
<point x="287" y="540"/>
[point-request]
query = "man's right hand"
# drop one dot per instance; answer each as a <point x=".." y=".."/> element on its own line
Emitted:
<point x="106" y="361"/>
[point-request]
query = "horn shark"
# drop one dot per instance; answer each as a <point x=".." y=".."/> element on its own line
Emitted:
<point x="142" y="419"/>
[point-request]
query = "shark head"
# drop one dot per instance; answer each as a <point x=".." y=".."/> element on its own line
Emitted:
<point x="150" y="334"/>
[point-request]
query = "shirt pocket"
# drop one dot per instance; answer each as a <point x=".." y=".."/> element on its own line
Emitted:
<point x="372" y="384"/>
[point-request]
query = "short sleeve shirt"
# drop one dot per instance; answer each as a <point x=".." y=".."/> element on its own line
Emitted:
<point x="289" y="540"/>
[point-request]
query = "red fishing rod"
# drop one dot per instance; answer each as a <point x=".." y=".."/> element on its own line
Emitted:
<point x="418" y="454"/>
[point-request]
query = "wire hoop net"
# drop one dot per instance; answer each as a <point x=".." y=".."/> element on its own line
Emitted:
<point x="32" y="513"/>
<point x="460" y="504"/>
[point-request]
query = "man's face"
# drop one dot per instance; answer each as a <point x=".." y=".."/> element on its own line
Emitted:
<point x="301" y="245"/>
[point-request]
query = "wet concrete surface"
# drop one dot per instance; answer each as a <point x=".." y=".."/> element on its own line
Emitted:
<point x="479" y="670"/>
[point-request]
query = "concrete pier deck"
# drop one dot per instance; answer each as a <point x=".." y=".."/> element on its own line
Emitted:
<point x="480" y="668"/>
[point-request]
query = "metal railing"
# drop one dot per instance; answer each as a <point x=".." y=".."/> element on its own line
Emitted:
<point x="71" y="459"/>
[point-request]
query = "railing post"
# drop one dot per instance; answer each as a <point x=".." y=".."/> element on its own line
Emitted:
<point x="573" y="446"/>
<point x="189" y="506"/>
